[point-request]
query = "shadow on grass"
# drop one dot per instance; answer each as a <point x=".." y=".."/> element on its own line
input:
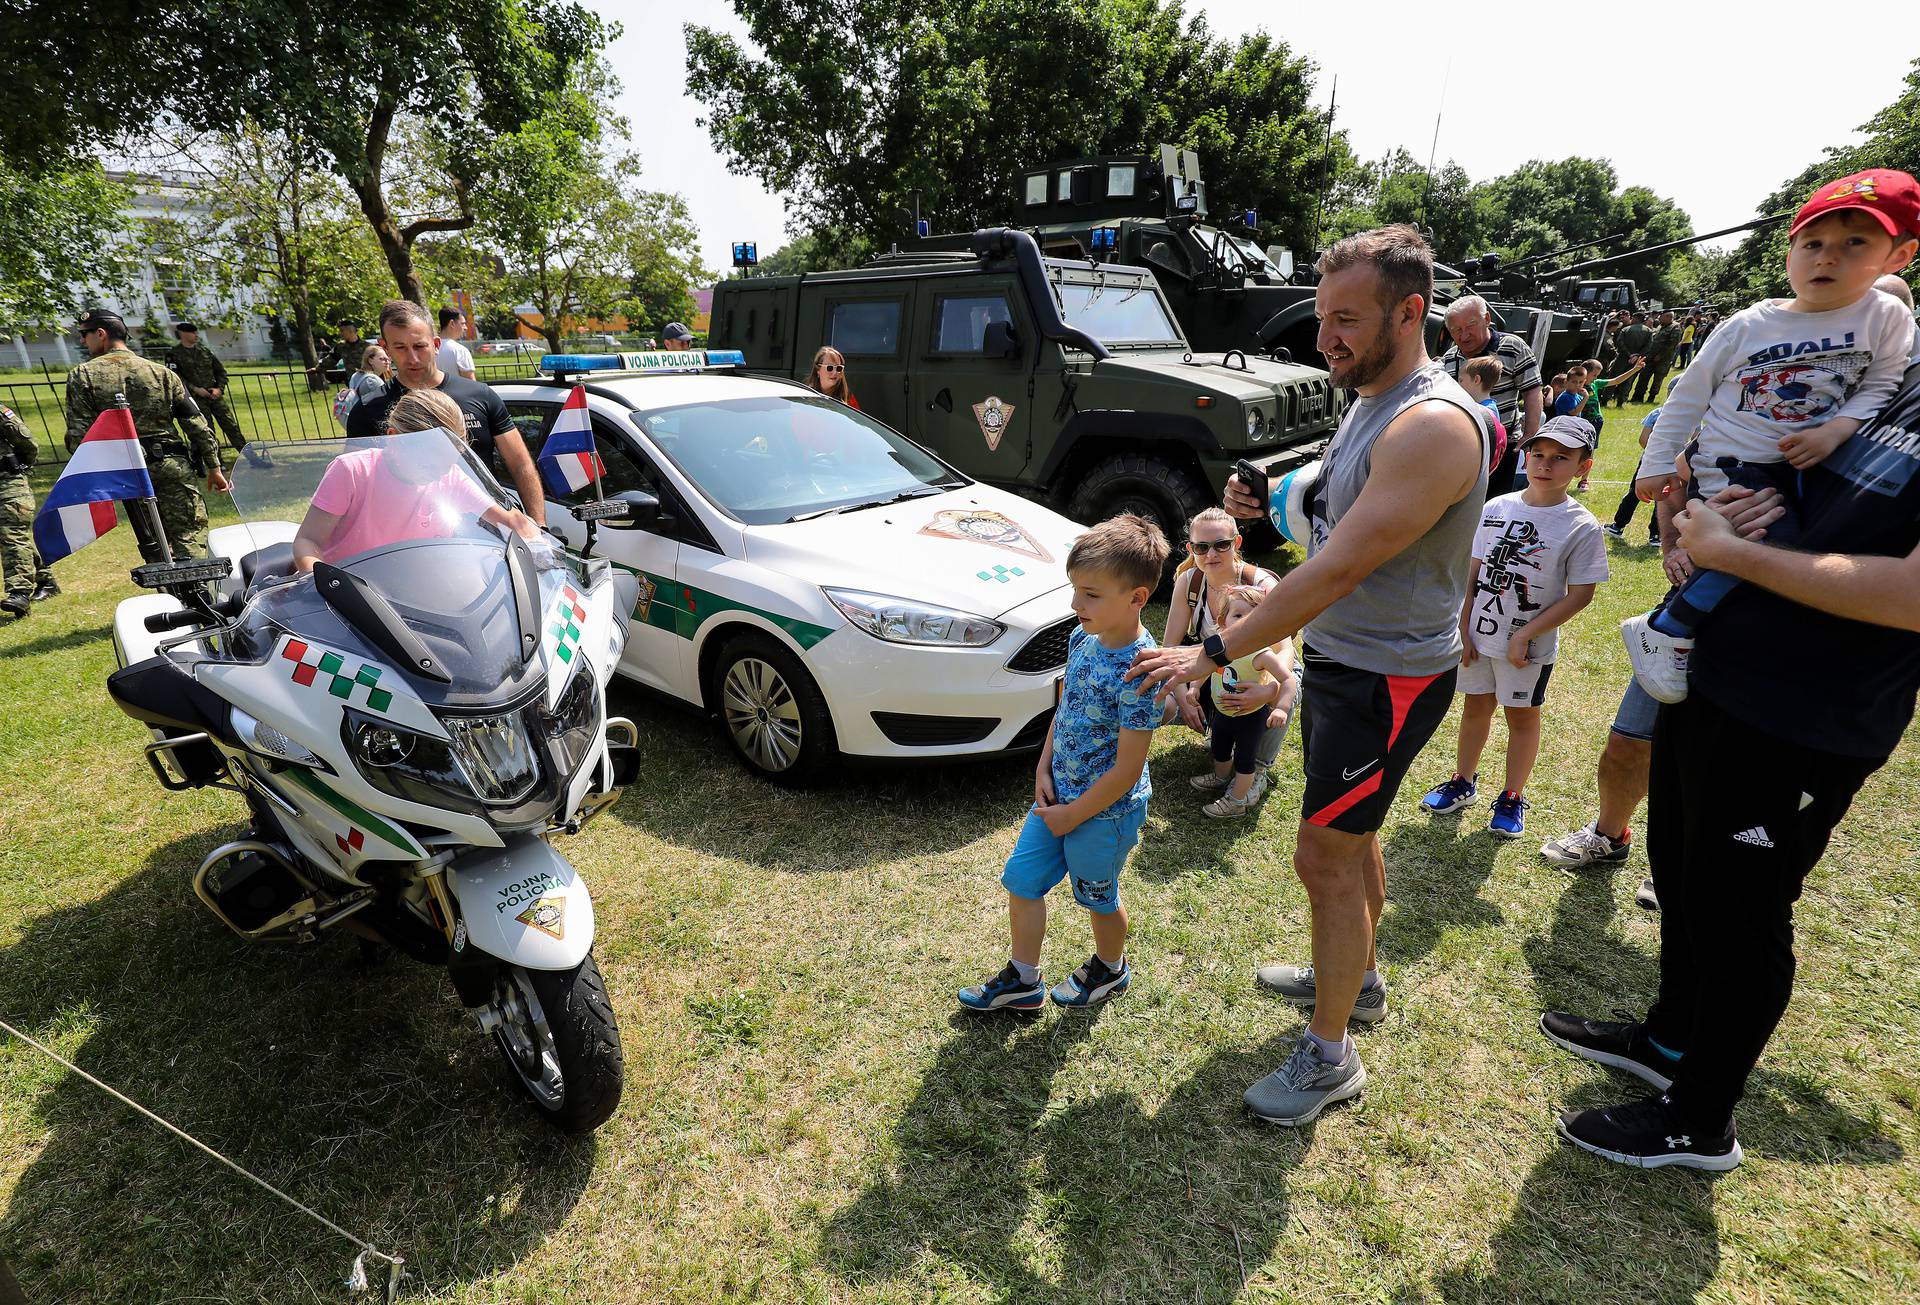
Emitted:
<point x="693" y="793"/>
<point x="359" y="1089"/>
<point x="1435" y="868"/>
<point x="54" y="642"/>
<point x="1582" y="965"/>
<point x="1177" y="1205"/>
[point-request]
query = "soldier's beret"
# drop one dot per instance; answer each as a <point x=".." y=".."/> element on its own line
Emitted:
<point x="181" y="328"/>
<point x="96" y="318"/>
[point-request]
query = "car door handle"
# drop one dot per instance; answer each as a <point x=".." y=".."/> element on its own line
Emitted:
<point x="942" y="401"/>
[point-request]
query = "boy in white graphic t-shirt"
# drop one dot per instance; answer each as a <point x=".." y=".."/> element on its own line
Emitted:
<point x="1781" y="385"/>
<point x="1536" y="558"/>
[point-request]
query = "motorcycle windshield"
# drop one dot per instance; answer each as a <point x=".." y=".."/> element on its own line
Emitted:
<point x="418" y="523"/>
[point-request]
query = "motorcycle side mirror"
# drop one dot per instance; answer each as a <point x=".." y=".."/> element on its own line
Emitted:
<point x="642" y="510"/>
<point x="1001" y="340"/>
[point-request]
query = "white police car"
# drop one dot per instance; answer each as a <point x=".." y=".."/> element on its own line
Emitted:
<point x="823" y="583"/>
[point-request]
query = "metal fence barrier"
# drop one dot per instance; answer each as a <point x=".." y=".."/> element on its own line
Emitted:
<point x="273" y="406"/>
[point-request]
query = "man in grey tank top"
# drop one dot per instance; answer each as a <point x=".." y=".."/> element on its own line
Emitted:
<point x="1379" y="597"/>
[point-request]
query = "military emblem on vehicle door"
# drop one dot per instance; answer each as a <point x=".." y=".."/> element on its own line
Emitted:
<point x="993" y="417"/>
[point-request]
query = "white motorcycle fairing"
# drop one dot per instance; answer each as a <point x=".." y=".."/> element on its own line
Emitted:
<point x="523" y="903"/>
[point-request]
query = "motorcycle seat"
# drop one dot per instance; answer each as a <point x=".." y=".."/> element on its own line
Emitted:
<point x="274" y="562"/>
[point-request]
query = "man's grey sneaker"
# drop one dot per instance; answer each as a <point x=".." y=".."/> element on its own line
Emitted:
<point x="1005" y="991"/>
<point x="1093" y="983"/>
<point x="1211" y="783"/>
<point x="1587" y="846"/>
<point x="1295" y="983"/>
<point x="1659" y="660"/>
<point x="1299" y="1090"/>
<point x="1650" y="1135"/>
<point x="1644" y="897"/>
<point x="1617" y="1044"/>
<point x="1228" y="807"/>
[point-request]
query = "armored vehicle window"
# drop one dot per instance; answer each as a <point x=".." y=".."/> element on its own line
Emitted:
<point x="1125" y="313"/>
<point x="868" y="328"/>
<point x="963" y="322"/>
<point x="1036" y="188"/>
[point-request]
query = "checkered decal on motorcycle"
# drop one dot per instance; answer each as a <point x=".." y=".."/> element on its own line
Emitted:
<point x="338" y="681"/>
<point x="568" y="616"/>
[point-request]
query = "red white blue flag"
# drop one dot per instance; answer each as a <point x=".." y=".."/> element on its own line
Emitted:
<point x="568" y="459"/>
<point x="107" y="467"/>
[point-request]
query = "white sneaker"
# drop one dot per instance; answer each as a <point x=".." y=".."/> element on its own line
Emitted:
<point x="1211" y="783"/>
<point x="1259" y="789"/>
<point x="1659" y="660"/>
<point x="1226" y="807"/>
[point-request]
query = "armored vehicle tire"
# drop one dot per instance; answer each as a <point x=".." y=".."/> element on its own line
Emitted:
<point x="1152" y="487"/>
<point x="775" y="718"/>
<point x="557" y="1034"/>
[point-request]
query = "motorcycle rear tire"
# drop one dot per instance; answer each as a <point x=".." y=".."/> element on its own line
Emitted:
<point x="586" y="1042"/>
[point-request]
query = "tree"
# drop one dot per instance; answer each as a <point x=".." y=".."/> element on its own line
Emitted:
<point x="861" y="107"/>
<point x="63" y="231"/>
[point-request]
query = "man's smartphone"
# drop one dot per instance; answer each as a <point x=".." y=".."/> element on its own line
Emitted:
<point x="1254" y="479"/>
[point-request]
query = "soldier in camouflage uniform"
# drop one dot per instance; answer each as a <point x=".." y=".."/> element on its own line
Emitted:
<point x="157" y="398"/>
<point x="346" y="353"/>
<point x="206" y="380"/>
<point x="27" y="579"/>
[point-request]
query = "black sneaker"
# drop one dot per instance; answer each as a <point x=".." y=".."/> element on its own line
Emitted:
<point x="1618" y="1044"/>
<point x="1649" y="1135"/>
<point x="1005" y="991"/>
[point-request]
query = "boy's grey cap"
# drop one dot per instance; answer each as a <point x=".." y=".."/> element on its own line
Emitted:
<point x="1569" y="430"/>
<point x="676" y="331"/>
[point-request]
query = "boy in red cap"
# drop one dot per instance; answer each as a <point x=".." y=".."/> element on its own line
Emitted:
<point x="1781" y="385"/>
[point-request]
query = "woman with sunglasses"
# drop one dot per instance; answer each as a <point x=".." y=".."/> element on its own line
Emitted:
<point x="829" y="376"/>
<point x="1198" y="609"/>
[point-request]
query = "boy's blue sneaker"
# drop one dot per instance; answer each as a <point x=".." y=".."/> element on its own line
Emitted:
<point x="1445" y="799"/>
<point x="1509" y="816"/>
<point x="1093" y="983"/>
<point x="1005" y="991"/>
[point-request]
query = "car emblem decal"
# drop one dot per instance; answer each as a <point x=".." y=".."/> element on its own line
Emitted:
<point x="644" y="603"/>
<point x="985" y="526"/>
<point x="993" y="417"/>
<point x="548" y="915"/>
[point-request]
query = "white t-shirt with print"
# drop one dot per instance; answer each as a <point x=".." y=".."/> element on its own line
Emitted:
<point x="1528" y="557"/>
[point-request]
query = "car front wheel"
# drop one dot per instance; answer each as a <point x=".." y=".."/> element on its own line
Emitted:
<point x="775" y="718"/>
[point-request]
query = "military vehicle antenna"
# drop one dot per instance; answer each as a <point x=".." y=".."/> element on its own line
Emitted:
<point x="1433" y="150"/>
<point x="1326" y="162"/>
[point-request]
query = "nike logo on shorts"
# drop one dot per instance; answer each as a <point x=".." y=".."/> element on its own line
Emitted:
<point x="1360" y="770"/>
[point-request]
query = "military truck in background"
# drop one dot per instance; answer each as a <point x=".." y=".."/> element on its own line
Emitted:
<point x="1068" y="382"/>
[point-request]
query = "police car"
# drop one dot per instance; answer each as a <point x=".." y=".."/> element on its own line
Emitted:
<point x="822" y="583"/>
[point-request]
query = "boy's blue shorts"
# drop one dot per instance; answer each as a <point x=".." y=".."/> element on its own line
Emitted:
<point x="1092" y="855"/>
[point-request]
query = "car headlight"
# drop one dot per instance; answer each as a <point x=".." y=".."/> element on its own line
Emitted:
<point x="901" y="620"/>
<point x="1256" y="423"/>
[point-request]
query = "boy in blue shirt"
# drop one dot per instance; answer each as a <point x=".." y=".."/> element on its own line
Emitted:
<point x="1090" y="789"/>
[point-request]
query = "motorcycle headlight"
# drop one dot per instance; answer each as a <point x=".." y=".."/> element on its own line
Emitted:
<point x="407" y="765"/>
<point x="901" y="620"/>
<point x="496" y="753"/>
<point x="574" y="722"/>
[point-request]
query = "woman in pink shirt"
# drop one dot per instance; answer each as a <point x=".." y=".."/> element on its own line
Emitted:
<point x="407" y="489"/>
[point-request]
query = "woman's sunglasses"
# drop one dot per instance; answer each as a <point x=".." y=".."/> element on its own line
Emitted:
<point x="1201" y="548"/>
<point x="833" y="367"/>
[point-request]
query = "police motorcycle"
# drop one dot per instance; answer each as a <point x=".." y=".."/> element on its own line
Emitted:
<point x="410" y="727"/>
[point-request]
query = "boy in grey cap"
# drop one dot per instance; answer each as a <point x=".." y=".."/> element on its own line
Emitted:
<point x="1536" y="558"/>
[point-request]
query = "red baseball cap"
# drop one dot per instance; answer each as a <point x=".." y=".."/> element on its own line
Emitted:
<point x="1893" y="197"/>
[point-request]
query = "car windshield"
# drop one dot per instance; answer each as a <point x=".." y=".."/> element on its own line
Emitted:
<point x="785" y="457"/>
<point x="1117" y="312"/>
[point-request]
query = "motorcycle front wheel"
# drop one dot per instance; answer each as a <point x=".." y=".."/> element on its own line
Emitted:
<point x="556" y="1031"/>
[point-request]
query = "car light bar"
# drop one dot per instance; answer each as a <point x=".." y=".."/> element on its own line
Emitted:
<point x="655" y="360"/>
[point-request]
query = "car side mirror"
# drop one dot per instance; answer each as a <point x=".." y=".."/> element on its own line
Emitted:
<point x="1001" y="340"/>
<point x="643" y="510"/>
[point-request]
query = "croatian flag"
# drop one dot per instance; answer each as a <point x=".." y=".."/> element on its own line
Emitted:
<point x="568" y="459"/>
<point x="107" y="466"/>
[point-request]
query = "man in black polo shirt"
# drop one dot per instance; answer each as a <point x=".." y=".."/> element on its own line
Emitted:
<point x="1517" y="395"/>
<point x="408" y="336"/>
<point x="1751" y="774"/>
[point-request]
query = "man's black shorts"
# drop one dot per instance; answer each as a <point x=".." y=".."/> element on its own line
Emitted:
<point x="1361" y="731"/>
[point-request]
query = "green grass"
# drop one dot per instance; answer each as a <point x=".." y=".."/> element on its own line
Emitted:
<point x="807" y="1119"/>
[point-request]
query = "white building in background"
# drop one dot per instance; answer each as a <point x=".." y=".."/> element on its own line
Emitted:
<point x="160" y="289"/>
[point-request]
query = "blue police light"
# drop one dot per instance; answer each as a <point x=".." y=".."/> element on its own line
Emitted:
<point x="1104" y="239"/>
<point x="560" y="365"/>
<point x="1251" y="217"/>
<point x="746" y="253"/>
<point x="922" y="228"/>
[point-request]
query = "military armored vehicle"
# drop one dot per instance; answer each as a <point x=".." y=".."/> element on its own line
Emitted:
<point x="1067" y="381"/>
